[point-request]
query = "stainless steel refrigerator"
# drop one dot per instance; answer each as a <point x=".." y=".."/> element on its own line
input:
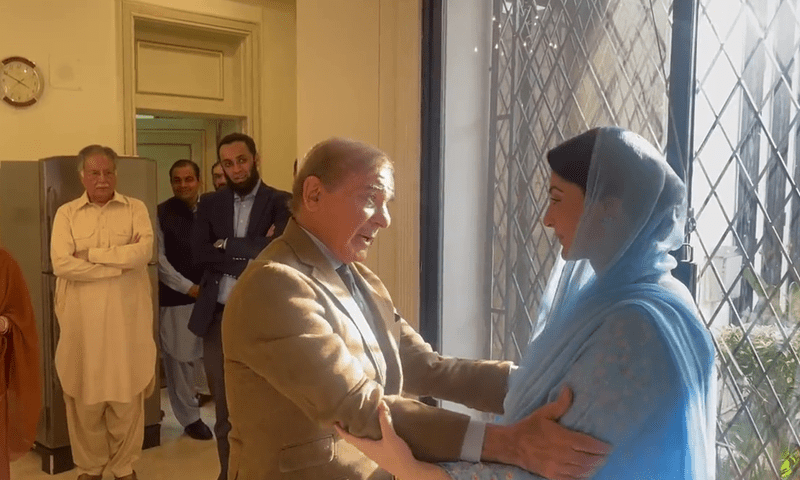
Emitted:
<point x="30" y="194"/>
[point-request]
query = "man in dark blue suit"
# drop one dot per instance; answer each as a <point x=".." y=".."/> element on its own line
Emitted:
<point x="233" y="225"/>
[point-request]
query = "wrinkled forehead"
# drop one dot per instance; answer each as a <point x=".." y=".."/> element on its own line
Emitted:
<point x="184" y="171"/>
<point x="378" y="180"/>
<point x="233" y="150"/>
<point x="385" y="176"/>
<point x="98" y="161"/>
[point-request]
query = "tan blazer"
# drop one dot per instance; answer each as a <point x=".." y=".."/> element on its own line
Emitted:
<point x="297" y="360"/>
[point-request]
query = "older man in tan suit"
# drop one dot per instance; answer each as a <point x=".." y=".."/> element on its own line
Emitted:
<point x="312" y="339"/>
<point x="106" y="354"/>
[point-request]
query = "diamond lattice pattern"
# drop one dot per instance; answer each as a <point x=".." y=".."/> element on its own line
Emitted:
<point x="558" y="68"/>
<point x="746" y="203"/>
<point x="562" y="66"/>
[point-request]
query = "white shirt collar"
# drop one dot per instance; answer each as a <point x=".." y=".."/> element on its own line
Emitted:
<point x="335" y="263"/>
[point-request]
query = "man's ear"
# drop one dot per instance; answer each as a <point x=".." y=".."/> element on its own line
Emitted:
<point x="257" y="161"/>
<point x="312" y="193"/>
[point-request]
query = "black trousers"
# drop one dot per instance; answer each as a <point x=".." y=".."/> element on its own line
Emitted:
<point x="214" y="362"/>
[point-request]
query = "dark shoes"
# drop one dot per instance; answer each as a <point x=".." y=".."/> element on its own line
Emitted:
<point x="199" y="431"/>
<point x="202" y="399"/>
<point x="86" y="476"/>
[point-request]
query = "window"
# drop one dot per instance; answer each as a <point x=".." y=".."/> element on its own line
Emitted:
<point x="559" y="67"/>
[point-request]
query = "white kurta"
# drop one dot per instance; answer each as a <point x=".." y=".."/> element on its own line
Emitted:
<point x="106" y="351"/>
<point x="176" y="338"/>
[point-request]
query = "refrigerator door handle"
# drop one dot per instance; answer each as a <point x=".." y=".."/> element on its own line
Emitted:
<point x="51" y="204"/>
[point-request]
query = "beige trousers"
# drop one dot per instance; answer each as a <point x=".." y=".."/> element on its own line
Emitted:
<point x="106" y="435"/>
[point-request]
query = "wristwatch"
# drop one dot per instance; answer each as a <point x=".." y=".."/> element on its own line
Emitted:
<point x="220" y="244"/>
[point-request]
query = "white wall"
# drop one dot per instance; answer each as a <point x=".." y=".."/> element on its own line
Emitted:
<point x="218" y="8"/>
<point x="278" y="135"/>
<point x="338" y="68"/>
<point x="358" y="76"/>
<point x="466" y="118"/>
<point x="344" y="67"/>
<point x="74" y="44"/>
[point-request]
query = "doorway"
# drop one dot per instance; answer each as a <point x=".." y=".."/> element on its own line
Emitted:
<point x="167" y="139"/>
<point x="162" y="51"/>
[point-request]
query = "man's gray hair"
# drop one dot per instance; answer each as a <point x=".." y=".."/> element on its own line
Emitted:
<point x="87" y="152"/>
<point x="332" y="160"/>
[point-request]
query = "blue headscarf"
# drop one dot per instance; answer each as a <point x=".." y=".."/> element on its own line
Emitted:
<point x="634" y="215"/>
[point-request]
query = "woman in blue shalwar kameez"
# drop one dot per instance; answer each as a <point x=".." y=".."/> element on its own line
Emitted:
<point x="618" y="328"/>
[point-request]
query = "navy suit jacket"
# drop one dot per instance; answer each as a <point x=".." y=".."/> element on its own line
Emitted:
<point x="215" y="221"/>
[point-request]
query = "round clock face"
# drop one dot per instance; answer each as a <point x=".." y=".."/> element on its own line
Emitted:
<point x="20" y="82"/>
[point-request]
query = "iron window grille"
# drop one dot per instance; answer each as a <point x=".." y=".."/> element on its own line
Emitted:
<point x="562" y="66"/>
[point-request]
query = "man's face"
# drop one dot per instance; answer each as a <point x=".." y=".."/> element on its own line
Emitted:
<point x="349" y="216"/>
<point x="185" y="184"/>
<point x="99" y="178"/>
<point x="239" y="166"/>
<point x="218" y="177"/>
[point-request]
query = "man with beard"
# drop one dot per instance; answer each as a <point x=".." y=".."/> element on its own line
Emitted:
<point x="233" y="225"/>
<point x="218" y="176"/>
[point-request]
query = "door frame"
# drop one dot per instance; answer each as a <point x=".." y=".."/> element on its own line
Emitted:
<point x="130" y="12"/>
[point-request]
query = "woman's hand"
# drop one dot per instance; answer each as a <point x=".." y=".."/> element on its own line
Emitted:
<point x="392" y="453"/>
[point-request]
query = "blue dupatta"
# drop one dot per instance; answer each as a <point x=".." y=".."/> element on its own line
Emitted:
<point x="634" y="215"/>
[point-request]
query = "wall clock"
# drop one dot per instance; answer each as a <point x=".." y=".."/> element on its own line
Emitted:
<point x="21" y="83"/>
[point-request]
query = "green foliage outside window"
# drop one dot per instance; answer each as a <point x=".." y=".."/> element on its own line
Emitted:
<point x="761" y="356"/>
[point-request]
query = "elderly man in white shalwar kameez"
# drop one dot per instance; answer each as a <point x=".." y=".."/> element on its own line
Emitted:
<point x="106" y="354"/>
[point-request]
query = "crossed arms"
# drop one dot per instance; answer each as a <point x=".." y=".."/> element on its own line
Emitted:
<point x="77" y="262"/>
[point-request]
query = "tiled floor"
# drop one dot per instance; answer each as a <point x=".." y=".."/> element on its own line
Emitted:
<point x="177" y="458"/>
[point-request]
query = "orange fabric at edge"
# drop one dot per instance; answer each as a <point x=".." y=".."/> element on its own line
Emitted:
<point x="21" y="388"/>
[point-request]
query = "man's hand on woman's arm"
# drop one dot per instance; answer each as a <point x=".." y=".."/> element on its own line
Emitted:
<point x="539" y="444"/>
<point x="392" y="453"/>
